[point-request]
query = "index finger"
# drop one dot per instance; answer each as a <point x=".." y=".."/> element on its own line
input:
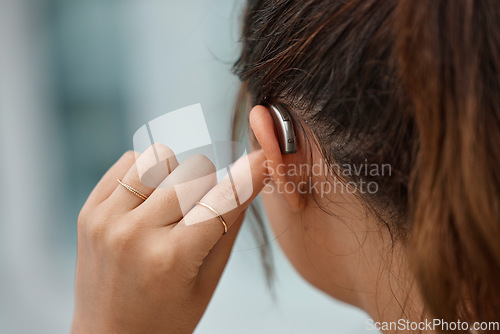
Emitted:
<point x="201" y="228"/>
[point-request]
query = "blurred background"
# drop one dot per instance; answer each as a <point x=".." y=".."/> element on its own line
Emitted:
<point x="77" y="78"/>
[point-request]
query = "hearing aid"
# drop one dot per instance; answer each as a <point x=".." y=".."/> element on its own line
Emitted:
<point x="284" y="129"/>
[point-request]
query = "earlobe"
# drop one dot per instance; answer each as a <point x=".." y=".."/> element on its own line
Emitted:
<point x="263" y="126"/>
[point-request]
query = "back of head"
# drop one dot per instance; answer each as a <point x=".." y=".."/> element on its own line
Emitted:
<point x="414" y="84"/>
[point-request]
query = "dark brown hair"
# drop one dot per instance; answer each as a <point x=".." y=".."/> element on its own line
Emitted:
<point x="415" y="84"/>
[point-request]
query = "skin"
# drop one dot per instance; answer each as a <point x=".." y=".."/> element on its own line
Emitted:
<point x="346" y="252"/>
<point x="148" y="266"/>
<point x="144" y="268"/>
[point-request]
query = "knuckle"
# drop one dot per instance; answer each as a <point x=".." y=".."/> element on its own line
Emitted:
<point x="93" y="224"/>
<point x="170" y="201"/>
<point x="129" y="156"/>
<point x="121" y="238"/>
<point x="82" y="220"/>
<point x="151" y="166"/>
<point x="96" y="232"/>
<point x="227" y="191"/>
<point x="204" y="168"/>
<point x="161" y="151"/>
<point x="203" y="162"/>
<point x="162" y="261"/>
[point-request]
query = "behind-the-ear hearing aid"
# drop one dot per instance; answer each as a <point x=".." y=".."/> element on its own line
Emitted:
<point x="284" y="128"/>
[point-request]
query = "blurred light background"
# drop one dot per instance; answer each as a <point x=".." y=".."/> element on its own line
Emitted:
<point x="77" y="78"/>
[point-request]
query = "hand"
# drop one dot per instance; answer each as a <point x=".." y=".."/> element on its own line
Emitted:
<point x="143" y="266"/>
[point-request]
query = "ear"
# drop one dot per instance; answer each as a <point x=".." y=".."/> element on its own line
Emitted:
<point x="279" y="165"/>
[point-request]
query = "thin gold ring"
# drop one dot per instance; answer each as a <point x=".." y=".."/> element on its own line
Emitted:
<point x="133" y="190"/>
<point x="214" y="211"/>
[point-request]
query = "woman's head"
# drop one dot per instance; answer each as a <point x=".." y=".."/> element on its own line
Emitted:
<point x="412" y="85"/>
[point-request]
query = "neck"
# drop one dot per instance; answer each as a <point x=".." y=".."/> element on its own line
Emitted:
<point x="391" y="295"/>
